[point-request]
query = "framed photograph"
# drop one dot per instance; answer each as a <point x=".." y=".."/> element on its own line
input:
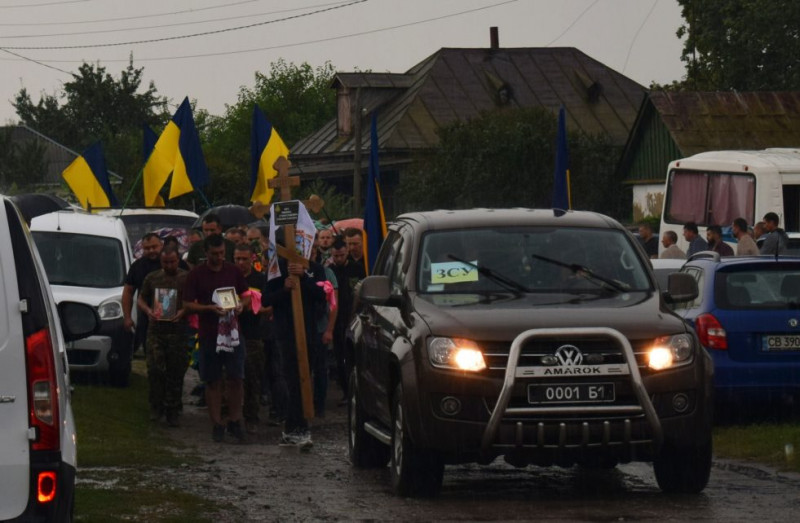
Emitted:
<point x="228" y="299"/>
<point x="165" y="303"/>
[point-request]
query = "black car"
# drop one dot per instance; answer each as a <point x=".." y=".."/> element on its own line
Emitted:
<point x="537" y="335"/>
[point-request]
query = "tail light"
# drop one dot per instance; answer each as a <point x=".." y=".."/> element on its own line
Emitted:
<point x="710" y="332"/>
<point x="43" y="390"/>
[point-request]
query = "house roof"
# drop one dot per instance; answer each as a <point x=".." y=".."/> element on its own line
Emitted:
<point x="706" y="121"/>
<point x="458" y="84"/>
<point x="59" y="156"/>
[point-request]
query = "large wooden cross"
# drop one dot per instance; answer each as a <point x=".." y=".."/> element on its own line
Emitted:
<point x="284" y="183"/>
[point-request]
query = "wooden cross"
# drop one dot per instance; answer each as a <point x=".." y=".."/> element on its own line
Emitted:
<point x="284" y="183"/>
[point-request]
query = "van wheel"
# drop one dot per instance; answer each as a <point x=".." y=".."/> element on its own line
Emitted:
<point x="365" y="451"/>
<point x="414" y="472"/>
<point x="683" y="470"/>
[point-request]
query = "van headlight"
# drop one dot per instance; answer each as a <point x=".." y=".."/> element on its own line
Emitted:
<point x="456" y="354"/>
<point x="670" y="351"/>
<point x="110" y="310"/>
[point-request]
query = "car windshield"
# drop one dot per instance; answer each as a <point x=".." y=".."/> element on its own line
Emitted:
<point x="81" y="260"/>
<point x="765" y="286"/>
<point x="530" y="259"/>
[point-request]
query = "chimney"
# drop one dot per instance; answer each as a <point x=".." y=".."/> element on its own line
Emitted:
<point x="494" y="38"/>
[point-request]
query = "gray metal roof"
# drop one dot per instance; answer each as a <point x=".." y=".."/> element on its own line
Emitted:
<point x="458" y="84"/>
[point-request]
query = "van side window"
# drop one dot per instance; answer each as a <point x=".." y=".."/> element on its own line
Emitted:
<point x="30" y="288"/>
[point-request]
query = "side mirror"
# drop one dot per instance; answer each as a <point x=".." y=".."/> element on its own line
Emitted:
<point x="375" y="290"/>
<point x="681" y="287"/>
<point x="78" y="320"/>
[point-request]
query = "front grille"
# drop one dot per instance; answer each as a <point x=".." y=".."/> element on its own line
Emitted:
<point x="496" y="353"/>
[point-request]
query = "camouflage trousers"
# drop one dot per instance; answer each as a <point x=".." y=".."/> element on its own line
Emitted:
<point x="167" y="361"/>
<point x="254" y="361"/>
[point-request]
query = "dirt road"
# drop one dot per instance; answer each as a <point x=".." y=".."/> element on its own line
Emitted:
<point x="260" y="481"/>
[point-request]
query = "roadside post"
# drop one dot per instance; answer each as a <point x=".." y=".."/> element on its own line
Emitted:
<point x="283" y="182"/>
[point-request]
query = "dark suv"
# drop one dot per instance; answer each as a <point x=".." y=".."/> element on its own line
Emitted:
<point x="537" y="335"/>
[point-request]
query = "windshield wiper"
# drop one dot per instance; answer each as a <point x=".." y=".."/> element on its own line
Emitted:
<point x="501" y="279"/>
<point x="587" y="273"/>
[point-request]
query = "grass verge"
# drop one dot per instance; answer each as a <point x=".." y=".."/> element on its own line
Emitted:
<point x="773" y="444"/>
<point x="123" y="459"/>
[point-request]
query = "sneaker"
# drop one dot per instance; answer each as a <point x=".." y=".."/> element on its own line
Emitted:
<point x="304" y="440"/>
<point x="235" y="430"/>
<point x="218" y="433"/>
<point x="155" y="414"/>
<point x="287" y="440"/>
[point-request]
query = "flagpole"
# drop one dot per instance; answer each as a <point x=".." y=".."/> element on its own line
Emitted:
<point x="130" y="191"/>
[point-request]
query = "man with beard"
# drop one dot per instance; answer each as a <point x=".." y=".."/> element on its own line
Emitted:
<point x="160" y="299"/>
<point x="149" y="262"/>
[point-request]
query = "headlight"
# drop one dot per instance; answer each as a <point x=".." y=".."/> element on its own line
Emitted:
<point x="670" y="351"/>
<point x="455" y="353"/>
<point x="110" y="310"/>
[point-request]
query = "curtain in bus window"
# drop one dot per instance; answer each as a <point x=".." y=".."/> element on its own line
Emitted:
<point x="731" y="197"/>
<point x="687" y="202"/>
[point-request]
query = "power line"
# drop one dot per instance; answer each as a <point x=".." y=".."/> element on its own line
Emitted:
<point x="137" y="17"/>
<point x="63" y="2"/>
<point x="551" y="42"/>
<point x="176" y="24"/>
<point x="183" y="37"/>
<point x="34" y="61"/>
<point x="307" y="42"/>
<point x="646" y="18"/>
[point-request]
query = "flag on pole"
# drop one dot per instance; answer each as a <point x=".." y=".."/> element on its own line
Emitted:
<point x="266" y="146"/>
<point x="374" y="217"/>
<point x="149" y="140"/>
<point x="177" y="151"/>
<point x="562" y="197"/>
<point x="88" y="178"/>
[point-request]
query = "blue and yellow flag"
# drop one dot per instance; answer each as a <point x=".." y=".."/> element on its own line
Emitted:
<point x="374" y="217"/>
<point x="149" y="139"/>
<point x="178" y="152"/>
<point x="266" y="146"/>
<point x="562" y="197"/>
<point x="88" y="178"/>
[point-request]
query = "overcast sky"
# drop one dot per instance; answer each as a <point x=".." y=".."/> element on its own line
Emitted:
<point x="170" y="39"/>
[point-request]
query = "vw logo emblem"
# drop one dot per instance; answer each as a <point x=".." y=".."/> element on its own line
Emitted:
<point x="569" y="355"/>
<point x="793" y="322"/>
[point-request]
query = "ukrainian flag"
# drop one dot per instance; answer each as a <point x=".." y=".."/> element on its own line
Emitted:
<point x="149" y="139"/>
<point x="562" y="196"/>
<point x="266" y="146"/>
<point x="178" y="152"/>
<point x="88" y="178"/>
<point x="374" y="217"/>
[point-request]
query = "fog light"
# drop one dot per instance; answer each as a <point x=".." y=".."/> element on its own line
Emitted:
<point x="680" y="402"/>
<point x="450" y="406"/>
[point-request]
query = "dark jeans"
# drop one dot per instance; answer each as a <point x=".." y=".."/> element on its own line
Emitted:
<point x="319" y="370"/>
<point x="340" y="354"/>
<point x="295" y="419"/>
<point x="277" y="378"/>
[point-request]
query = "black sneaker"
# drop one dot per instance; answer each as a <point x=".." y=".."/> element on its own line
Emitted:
<point x="235" y="430"/>
<point x="218" y="433"/>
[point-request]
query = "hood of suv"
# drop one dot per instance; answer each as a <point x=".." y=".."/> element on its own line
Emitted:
<point x="464" y="315"/>
<point x="87" y="295"/>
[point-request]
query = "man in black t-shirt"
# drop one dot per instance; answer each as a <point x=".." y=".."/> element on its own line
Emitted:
<point x="648" y="239"/>
<point x="348" y="274"/>
<point x="138" y="271"/>
<point x="252" y="328"/>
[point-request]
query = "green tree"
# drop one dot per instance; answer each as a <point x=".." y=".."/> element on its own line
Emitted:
<point x="506" y="159"/>
<point x="296" y="99"/>
<point x="98" y="106"/>
<point x="744" y="45"/>
<point x="21" y="164"/>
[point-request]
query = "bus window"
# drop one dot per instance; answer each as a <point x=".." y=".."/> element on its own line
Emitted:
<point x="709" y="198"/>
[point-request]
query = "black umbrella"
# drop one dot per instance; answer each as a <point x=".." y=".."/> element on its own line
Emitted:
<point x="32" y="205"/>
<point x="230" y="215"/>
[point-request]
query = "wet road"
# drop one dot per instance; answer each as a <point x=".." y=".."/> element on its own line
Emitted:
<point x="261" y="481"/>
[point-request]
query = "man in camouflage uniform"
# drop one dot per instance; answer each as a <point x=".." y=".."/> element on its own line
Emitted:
<point x="161" y="299"/>
<point x="252" y="328"/>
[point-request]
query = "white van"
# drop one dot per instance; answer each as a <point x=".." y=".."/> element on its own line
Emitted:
<point x="37" y="430"/>
<point x="86" y="257"/>
<point x="716" y="187"/>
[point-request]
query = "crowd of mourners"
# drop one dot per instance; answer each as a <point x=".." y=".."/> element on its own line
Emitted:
<point x="212" y="308"/>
